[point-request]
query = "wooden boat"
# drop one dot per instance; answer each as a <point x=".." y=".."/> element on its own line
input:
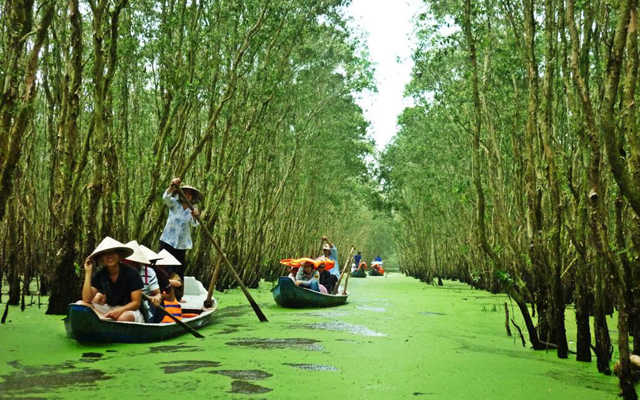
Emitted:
<point x="374" y="272"/>
<point x="84" y="325"/>
<point x="359" y="273"/>
<point x="287" y="294"/>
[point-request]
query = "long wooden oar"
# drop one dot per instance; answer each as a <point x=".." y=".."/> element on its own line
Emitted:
<point x="233" y="272"/>
<point x="175" y="319"/>
<point x="344" y="270"/>
<point x="346" y="281"/>
<point x="212" y="284"/>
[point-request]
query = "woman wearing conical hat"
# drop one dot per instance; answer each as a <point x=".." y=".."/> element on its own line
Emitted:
<point x="120" y="284"/>
<point x="151" y="287"/>
<point x="176" y="236"/>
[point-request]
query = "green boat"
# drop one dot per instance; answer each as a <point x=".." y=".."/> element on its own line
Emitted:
<point x="374" y="272"/>
<point x="287" y="294"/>
<point x="360" y="273"/>
<point x="84" y="325"/>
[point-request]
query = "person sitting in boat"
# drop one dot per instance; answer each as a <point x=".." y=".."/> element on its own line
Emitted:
<point x="331" y="252"/>
<point x="377" y="265"/>
<point x="166" y="288"/>
<point x="169" y="300"/>
<point x="120" y="284"/>
<point x="327" y="279"/>
<point x="151" y="288"/>
<point x="307" y="276"/>
<point x="293" y="272"/>
<point x="362" y="266"/>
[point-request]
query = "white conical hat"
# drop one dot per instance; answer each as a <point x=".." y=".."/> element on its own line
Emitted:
<point x="137" y="256"/>
<point x="167" y="259"/>
<point x="150" y="254"/>
<point x="109" y="244"/>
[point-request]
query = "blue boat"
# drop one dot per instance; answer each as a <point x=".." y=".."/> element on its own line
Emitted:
<point x="287" y="294"/>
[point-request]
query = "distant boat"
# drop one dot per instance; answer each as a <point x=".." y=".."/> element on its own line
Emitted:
<point x="360" y="273"/>
<point x="374" y="272"/>
<point x="84" y="325"/>
<point x="287" y="294"/>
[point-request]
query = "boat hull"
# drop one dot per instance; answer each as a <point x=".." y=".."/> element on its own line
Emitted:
<point x="359" y="274"/>
<point x="84" y="325"/>
<point x="373" y="272"/>
<point x="287" y="294"/>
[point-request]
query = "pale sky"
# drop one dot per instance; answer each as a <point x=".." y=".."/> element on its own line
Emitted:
<point x="388" y="26"/>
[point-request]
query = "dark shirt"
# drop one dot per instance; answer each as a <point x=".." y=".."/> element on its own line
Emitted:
<point x="163" y="280"/>
<point x="117" y="293"/>
<point x="357" y="258"/>
<point x="328" y="280"/>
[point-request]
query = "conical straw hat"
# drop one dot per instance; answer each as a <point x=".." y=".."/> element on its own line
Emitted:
<point x="167" y="259"/>
<point x="110" y="245"/>
<point x="137" y="256"/>
<point x="150" y="254"/>
<point x="197" y="197"/>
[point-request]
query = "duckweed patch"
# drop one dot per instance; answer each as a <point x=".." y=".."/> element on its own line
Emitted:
<point x="173" y="349"/>
<point x="312" y="367"/>
<point x="242" y="387"/>
<point x="174" y="367"/>
<point x="293" y="343"/>
<point x="248" y="375"/>
<point x="47" y="379"/>
<point x="344" y="327"/>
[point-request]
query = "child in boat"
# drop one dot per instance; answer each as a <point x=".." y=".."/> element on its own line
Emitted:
<point x="307" y="276"/>
<point x="166" y="289"/>
<point x="170" y="302"/>
<point x="151" y="288"/>
<point x="293" y="272"/>
<point x="120" y="285"/>
<point x="327" y="279"/>
<point x="176" y="236"/>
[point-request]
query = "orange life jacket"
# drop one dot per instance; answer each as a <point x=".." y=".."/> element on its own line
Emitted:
<point x="174" y="308"/>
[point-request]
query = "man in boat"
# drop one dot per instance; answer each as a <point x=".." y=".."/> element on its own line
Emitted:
<point x="356" y="259"/>
<point x="331" y="252"/>
<point x="307" y="276"/>
<point x="176" y="236"/>
<point x="120" y="284"/>
<point x="151" y="288"/>
<point x="327" y="279"/>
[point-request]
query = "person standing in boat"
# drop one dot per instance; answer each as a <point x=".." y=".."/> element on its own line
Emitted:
<point x="307" y="276"/>
<point x="356" y="260"/>
<point x="120" y="284"/>
<point x="331" y="252"/>
<point x="176" y="236"/>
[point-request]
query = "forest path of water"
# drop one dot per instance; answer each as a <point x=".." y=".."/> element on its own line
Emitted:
<point x="396" y="338"/>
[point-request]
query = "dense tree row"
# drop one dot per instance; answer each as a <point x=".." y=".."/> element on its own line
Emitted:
<point x="518" y="168"/>
<point x="104" y="101"/>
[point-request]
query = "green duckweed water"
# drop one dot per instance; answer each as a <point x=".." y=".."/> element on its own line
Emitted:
<point x="397" y="338"/>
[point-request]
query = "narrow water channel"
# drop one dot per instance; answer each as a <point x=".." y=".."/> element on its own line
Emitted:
<point x="396" y="338"/>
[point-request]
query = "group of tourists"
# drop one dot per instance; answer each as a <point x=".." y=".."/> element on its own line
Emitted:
<point x="135" y="280"/>
<point x="359" y="265"/>
<point x="319" y="274"/>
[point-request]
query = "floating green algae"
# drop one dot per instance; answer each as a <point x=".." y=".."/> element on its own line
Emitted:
<point x="463" y="354"/>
